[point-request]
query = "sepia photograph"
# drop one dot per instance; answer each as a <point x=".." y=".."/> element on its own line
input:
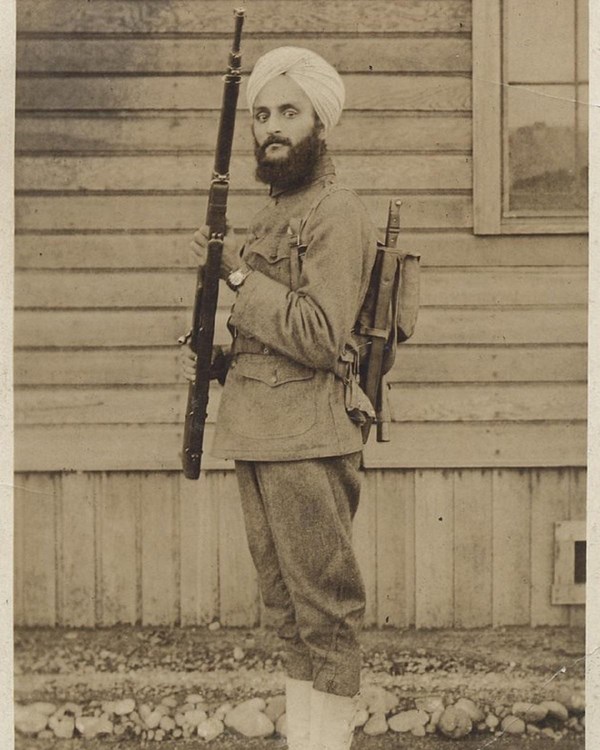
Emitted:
<point x="300" y="375"/>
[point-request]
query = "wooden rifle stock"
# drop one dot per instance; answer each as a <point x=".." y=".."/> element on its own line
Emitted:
<point x="207" y="282"/>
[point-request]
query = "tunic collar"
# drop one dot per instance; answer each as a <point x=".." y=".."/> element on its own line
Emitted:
<point x="324" y="168"/>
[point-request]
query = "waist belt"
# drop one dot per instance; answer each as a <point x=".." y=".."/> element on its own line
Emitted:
<point x="243" y="345"/>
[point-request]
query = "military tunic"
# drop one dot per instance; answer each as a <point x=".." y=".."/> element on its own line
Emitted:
<point x="281" y="400"/>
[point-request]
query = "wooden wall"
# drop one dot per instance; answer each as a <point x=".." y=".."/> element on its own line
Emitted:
<point x="117" y="106"/>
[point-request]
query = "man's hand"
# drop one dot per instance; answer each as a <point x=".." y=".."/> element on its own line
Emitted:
<point x="230" y="260"/>
<point x="187" y="361"/>
<point x="219" y="363"/>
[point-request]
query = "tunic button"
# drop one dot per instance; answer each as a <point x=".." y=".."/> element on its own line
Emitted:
<point x="266" y="350"/>
<point x="274" y="379"/>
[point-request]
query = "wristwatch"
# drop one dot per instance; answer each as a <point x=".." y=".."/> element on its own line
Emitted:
<point x="236" y="278"/>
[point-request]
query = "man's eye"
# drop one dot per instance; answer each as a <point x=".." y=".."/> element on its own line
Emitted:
<point x="261" y="117"/>
<point x="290" y="113"/>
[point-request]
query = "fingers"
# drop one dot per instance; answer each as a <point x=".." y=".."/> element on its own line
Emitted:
<point x="187" y="360"/>
<point x="199" y="244"/>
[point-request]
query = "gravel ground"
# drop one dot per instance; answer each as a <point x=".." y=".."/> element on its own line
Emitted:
<point x="490" y="666"/>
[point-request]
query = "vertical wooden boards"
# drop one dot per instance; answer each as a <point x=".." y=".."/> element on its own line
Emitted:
<point x="549" y="504"/>
<point x="472" y="548"/>
<point x="199" y="550"/>
<point x="237" y="577"/>
<point x="395" y="548"/>
<point x="577" y="511"/>
<point x="364" y="538"/>
<point x="119" y="505"/>
<point x="159" y="508"/>
<point x="511" y="549"/>
<point x="76" y="548"/>
<point x="36" y="497"/>
<point x="434" y="549"/>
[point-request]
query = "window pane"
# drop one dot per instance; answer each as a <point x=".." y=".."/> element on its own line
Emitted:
<point x="583" y="24"/>
<point x="542" y="171"/>
<point x="539" y="37"/>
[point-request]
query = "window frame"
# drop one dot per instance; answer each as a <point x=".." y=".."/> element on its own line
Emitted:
<point x="488" y="135"/>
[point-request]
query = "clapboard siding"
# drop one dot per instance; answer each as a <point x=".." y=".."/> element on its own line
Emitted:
<point x="170" y="551"/>
<point x="202" y="56"/>
<point x="293" y="17"/>
<point x="171" y="250"/>
<point x="117" y="105"/>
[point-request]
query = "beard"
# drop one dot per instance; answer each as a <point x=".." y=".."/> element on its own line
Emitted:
<point x="294" y="169"/>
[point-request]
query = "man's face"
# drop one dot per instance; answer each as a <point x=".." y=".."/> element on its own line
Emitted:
<point x="288" y="137"/>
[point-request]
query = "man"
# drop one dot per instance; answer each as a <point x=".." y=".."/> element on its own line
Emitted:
<point x="283" y="414"/>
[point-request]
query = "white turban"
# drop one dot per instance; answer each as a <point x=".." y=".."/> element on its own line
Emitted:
<point x="316" y="77"/>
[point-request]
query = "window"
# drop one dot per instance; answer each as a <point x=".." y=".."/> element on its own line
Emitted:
<point x="569" y="563"/>
<point x="530" y="116"/>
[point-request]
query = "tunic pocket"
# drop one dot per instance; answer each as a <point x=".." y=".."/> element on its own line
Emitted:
<point x="269" y="397"/>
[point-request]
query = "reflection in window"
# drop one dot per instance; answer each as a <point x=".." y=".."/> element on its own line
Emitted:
<point x="545" y="108"/>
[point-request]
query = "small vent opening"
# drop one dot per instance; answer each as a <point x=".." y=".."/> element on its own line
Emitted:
<point x="579" y="551"/>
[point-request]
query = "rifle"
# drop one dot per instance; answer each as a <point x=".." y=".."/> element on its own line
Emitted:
<point x="207" y="283"/>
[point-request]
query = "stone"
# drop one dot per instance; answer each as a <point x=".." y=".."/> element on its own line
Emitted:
<point x="434" y="720"/>
<point x="152" y="719"/>
<point x="455" y="723"/>
<point x="418" y="731"/>
<point x="193" y="718"/>
<point x="45" y="734"/>
<point x="92" y="726"/>
<point x="193" y="698"/>
<point x="169" y="701"/>
<point x="249" y="721"/>
<point x="361" y="717"/>
<point x="65" y="728"/>
<point x="43" y="708"/>
<point x="167" y="724"/>
<point x="281" y="725"/>
<point x="238" y="653"/>
<point x="471" y="709"/>
<point x="512" y="725"/>
<point x="492" y="721"/>
<point x="548" y="732"/>
<point x="377" y="724"/>
<point x="159" y="735"/>
<point x="405" y="721"/>
<point x="430" y="703"/>
<point x="376" y="699"/>
<point x="124" y="707"/>
<point x="209" y="729"/>
<point x="214" y="626"/>
<point x="275" y="707"/>
<point x="556" y="710"/>
<point x="532" y="729"/>
<point x="222" y="711"/>
<point x="576" y="703"/>
<point x="73" y="709"/>
<point x="28" y="720"/>
<point x="531" y="712"/>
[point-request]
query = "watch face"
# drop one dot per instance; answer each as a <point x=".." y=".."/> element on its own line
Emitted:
<point x="237" y="277"/>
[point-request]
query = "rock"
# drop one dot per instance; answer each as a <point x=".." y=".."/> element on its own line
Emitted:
<point x="45" y="734"/>
<point x="214" y="626"/>
<point x="167" y="724"/>
<point x="222" y="711"/>
<point x="249" y="720"/>
<point x="455" y="723"/>
<point x="376" y="699"/>
<point x="471" y="709"/>
<point x="29" y="721"/>
<point x="177" y="733"/>
<point x="576" y="703"/>
<point x="512" y="725"/>
<point x="492" y="721"/>
<point x="531" y="712"/>
<point x="209" y="729"/>
<point x="434" y="720"/>
<point x="532" y="729"/>
<point x="418" y="731"/>
<point x="170" y="701"/>
<point x="556" y="710"/>
<point x="193" y="698"/>
<point x="65" y="728"/>
<point x="193" y="718"/>
<point x="159" y="735"/>
<point x="238" y="653"/>
<point x="71" y="709"/>
<point x="152" y="720"/>
<point x="43" y="708"/>
<point x="281" y="725"/>
<point x="377" y="724"/>
<point x="405" y="721"/>
<point x="548" y="732"/>
<point x="92" y="726"/>
<point x="275" y="707"/>
<point x="124" y="707"/>
<point x="430" y="703"/>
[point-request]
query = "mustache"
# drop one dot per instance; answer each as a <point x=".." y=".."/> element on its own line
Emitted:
<point x="271" y="139"/>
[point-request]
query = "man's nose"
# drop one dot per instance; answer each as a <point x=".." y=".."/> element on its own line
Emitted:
<point x="274" y="125"/>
